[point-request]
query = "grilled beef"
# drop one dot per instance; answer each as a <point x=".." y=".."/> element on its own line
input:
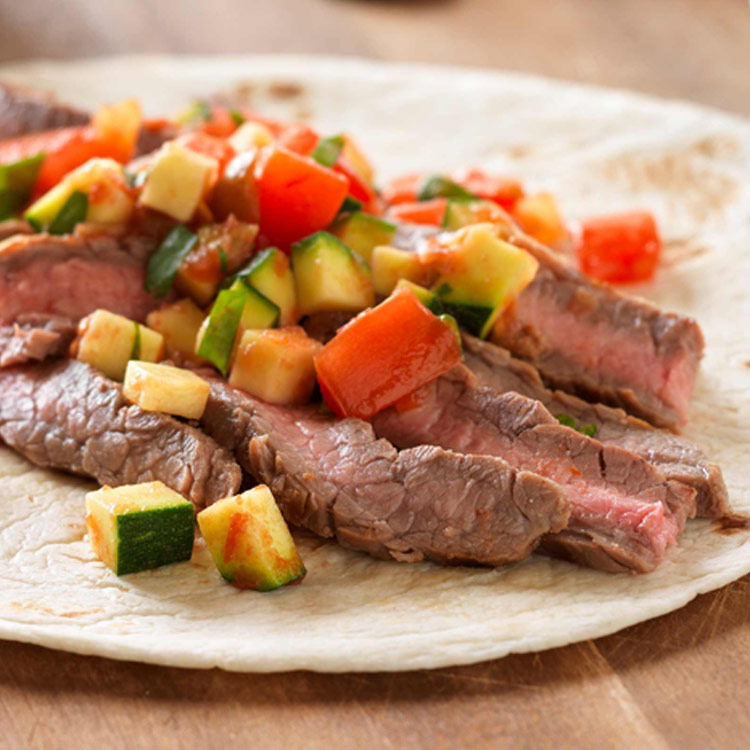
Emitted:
<point x="676" y="457"/>
<point x="619" y="503"/>
<point x="65" y="415"/>
<point x="334" y="478"/>
<point x="35" y="337"/>
<point x="11" y="227"/>
<point x="25" y="111"/>
<point x="589" y="339"/>
<point x="73" y="275"/>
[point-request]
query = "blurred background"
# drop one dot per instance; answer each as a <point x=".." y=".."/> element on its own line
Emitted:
<point x="690" y="49"/>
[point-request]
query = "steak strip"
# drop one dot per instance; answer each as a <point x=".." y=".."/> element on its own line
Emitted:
<point x="24" y="110"/>
<point x="73" y="275"/>
<point x="336" y="479"/>
<point x="674" y="456"/>
<point x="34" y="337"/>
<point x="65" y="415"/>
<point x="587" y="338"/>
<point x="626" y="511"/>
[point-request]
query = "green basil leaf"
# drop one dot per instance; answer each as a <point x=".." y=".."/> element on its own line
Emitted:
<point x="163" y="265"/>
<point x="72" y="212"/>
<point x="218" y="339"/>
<point x="589" y="429"/>
<point x="441" y="187"/>
<point x="328" y="150"/>
<point x="135" y="352"/>
<point x="223" y="260"/>
<point x="237" y="117"/>
<point x="16" y="183"/>
<point x="566" y="420"/>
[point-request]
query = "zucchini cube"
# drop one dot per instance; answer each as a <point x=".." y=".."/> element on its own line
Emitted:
<point x="276" y="365"/>
<point x="178" y="181"/>
<point x="389" y="264"/>
<point x="329" y="276"/>
<point x="166" y="389"/>
<point x="139" y="526"/>
<point x="250" y="542"/>
<point x="178" y="323"/>
<point x="108" y="341"/>
<point x="363" y="233"/>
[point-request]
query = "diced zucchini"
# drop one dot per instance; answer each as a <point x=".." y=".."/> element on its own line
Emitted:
<point x="276" y="365"/>
<point x="166" y="389"/>
<point x="363" y="232"/>
<point x="107" y="341"/>
<point x="258" y="313"/>
<point x="480" y="275"/>
<point x="269" y="272"/>
<point x="250" y="542"/>
<point x="102" y="180"/>
<point x="139" y="526"/>
<point x="356" y="157"/>
<point x="178" y="323"/>
<point x="462" y="213"/>
<point x="329" y="276"/>
<point x="178" y="180"/>
<point x="428" y="298"/>
<point x="250" y="135"/>
<point x="16" y="183"/>
<point x="389" y="264"/>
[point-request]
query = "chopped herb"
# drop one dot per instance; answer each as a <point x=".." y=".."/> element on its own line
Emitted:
<point x="444" y="290"/>
<point x="589" y="429"/>
<point x="16" y="182"/>
<point x="223" y="260"/>
<point x="237" y="117"/>
<point x="72" y="212"/>
<point x="129" y="178"/>
<point x="350" y="206"/>
<point x="162" y="268"/>
<point x="218" y="340"/>
<point x="136" y="351"/>
<point x="440" y="187"/>
<point x="136" y="179"/>
<point x="328" y="150"/>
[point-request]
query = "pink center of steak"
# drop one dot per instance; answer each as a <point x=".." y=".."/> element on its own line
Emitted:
<point x="613" y="493"/>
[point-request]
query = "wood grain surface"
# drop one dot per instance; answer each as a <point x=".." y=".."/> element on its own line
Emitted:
<point x="680" y="681"/>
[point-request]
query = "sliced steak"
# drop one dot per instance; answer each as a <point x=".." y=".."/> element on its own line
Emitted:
<point x="589" y="339"/>
<point x="334" y="478"/>
<point x="11" y="227"/>
<point x="24" y="110"/>
<point x="674" y="456"/>
<point x="65" y="415"/>
<point x="620" y="504"/>
<point x="35" y="337"/>
<point x="73" y="275"/>
<point x="153" y="136"/>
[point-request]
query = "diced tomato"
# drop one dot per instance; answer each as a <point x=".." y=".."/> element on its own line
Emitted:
<point x="421" y="212"/>
<point x="297" y="196"/>
<point x="402" y="190"/>
<point x="384" y="354"/>
<point x="208" y="145"/>
<point x="619" y="247"/>
<point x="358" y="187"/>
<point x="220" y="125"/>
<point x="299" y="138"/>
<point x="65" y="149"/>
<point x="504" y="191"/>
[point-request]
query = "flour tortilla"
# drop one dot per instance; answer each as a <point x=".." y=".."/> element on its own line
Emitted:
<point x="597" y="150"/>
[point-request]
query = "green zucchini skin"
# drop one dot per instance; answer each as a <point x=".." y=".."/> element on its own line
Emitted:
<point x="152" y="538"/>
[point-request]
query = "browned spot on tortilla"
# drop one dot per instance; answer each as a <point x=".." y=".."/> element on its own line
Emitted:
<point x="48" y="611"/>
<point x="720" y="145"/>
<point x="520" y="151"/>
<point x="732" y="524"/>
<point x="679" y="175"/>
<point x="303" y="114"/>
<point x="285" y="89"/>
<point x="746" y="363"/>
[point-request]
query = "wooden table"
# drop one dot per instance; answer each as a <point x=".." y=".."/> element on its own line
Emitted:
<point x="676" y="682"/>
